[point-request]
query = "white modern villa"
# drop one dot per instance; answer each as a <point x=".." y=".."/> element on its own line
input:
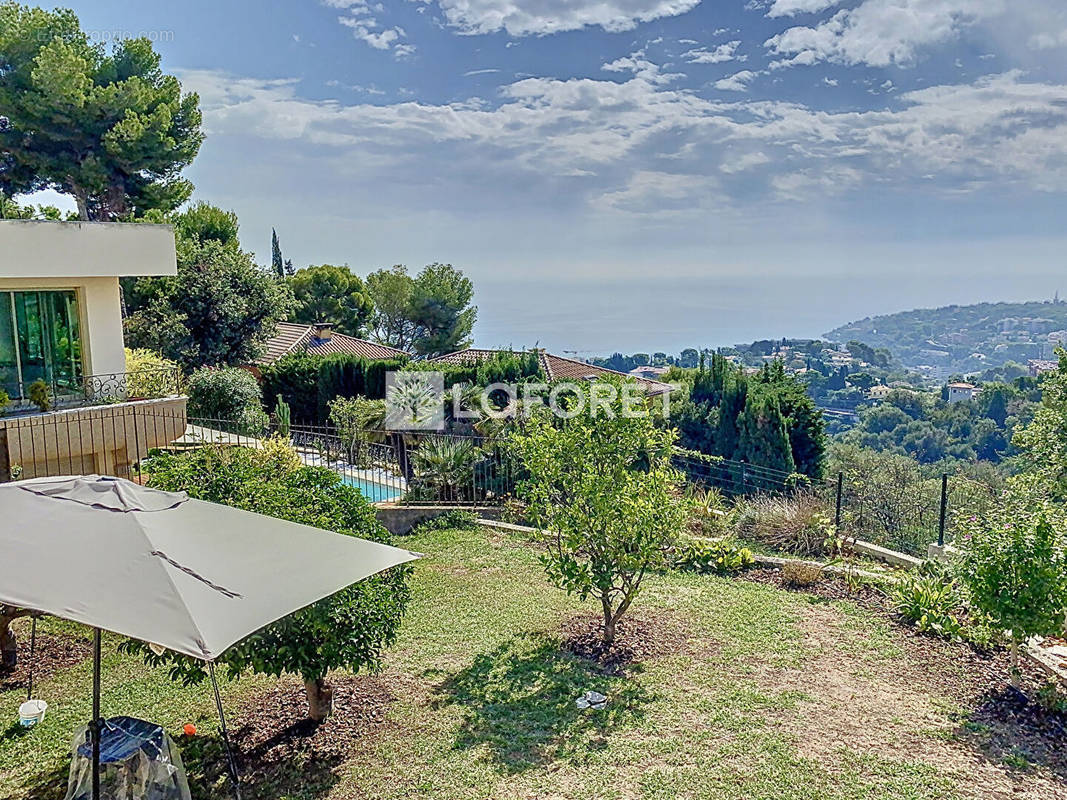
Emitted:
<point x="61" y="334"/>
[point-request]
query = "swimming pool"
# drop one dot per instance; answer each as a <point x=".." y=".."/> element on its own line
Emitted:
<point x="375" y="492"/>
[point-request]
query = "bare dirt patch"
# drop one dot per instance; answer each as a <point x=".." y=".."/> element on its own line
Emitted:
<point x="274" y="726"/>
<point x="637" y="638"/>
<point x="52" y="653"/>
<point x="934" y="701"/>
<point x="279" y="751"/>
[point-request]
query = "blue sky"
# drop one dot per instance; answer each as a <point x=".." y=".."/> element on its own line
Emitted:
<point x="640" y="174"/>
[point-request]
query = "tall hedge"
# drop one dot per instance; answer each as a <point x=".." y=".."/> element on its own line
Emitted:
<point x="308" y="383"/>
<point x="296" y="378"/>
<point x="501" y="367"/>
<point x="342" y="375"/>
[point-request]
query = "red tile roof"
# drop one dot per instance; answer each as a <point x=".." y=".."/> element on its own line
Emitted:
<point x="292" y="338"/>
<point x="557" y="368"/>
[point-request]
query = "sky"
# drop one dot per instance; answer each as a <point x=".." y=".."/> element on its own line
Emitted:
<point x="639" y="175"/>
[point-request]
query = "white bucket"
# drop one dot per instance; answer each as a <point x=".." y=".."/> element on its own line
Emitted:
<point x="32" y="712"/>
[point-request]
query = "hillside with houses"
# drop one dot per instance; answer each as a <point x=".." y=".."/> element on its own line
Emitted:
<point x="967" y="338"/>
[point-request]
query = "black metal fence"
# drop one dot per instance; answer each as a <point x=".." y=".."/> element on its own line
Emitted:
<point x="905" y="512"/>
<point x="415" y="468"/>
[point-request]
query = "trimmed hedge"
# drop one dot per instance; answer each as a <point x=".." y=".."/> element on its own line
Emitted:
<point x="308" y="383"/>
<point x="501" y="367"/>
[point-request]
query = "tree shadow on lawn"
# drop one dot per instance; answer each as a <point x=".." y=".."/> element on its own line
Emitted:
<point x="282" y="752"/>
<point x="1009" y="728"/>
<point x="519" y="702"/>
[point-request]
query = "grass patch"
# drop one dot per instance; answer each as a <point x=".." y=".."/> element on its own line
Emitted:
<point x="483" y="699"/>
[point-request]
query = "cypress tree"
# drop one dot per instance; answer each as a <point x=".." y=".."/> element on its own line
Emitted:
<point x="276" y="262"/>
<point x="764" y="440"/>
<point x="731" y="417"/>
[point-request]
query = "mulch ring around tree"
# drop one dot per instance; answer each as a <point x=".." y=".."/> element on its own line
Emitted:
<point x="274" y="727"/>
<point x="637" y="638"/>
<point x="998" y="718"/>
<point x="52" y="653"/>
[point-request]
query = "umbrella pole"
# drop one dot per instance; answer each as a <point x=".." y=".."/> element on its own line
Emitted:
<point x="234" y="774"/>
<point x="94" y="726"/>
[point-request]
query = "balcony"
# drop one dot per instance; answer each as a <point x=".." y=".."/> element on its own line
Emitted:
<point x="99" y="424"/>
<point x="92" y="390"/>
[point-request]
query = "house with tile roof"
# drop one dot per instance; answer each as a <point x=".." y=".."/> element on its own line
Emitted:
<point x="320" y="339"/>
<point x="557" y="368"/>
<point x="959" y="392"/>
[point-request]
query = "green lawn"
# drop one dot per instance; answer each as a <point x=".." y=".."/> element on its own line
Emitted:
<point x="767" y="694"/>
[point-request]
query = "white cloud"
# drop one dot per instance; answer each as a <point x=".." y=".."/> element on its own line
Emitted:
<point x="469" y="73"/>
<point x="649" y="192"/>
<point x="615" y="140"/>
<point x="724" y="52"/>
<point x="358" y="18"/>
<point x="539" y="17"/>
<point x="637" y="64"/>
<point x="830" y="81"/>
<point x="790" y="8"/>
<point x="1046" y="40"/>
<point x="881" y="32"/>
<point x="738" y="82"/>
<point x="744" y="162"/>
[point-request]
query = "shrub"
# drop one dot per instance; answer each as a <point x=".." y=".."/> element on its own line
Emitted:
<point x="41" y="395"/>
<point x="1014" y="565"/>
<point x="310" y="384"/>
<point x="801" y="575"/>
<point x="149" y="374"/>
<point x="344" y="375"/>
<point x="799" y="524"/>
<point x="932" y="602"/>
<point x="709" y="516"/>
<point x="358" y="421"/>
<point x="348" y="629"/>
<point x="444" y="468"/>
<point x="5" y="401"/>
<point x="450" y="520"/>
<point x="229" y="397"/>
<point x="720" y="556"/>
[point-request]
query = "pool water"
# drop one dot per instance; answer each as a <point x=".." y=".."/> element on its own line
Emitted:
<point x="374" y="492"/>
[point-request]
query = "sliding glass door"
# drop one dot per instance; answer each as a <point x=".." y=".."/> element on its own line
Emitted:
<point x="40" y="340"/>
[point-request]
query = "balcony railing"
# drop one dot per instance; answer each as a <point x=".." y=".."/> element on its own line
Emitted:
<point x="94" y="390"/>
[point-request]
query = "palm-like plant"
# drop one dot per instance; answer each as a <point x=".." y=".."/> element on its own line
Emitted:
<point x="446" y="465"/>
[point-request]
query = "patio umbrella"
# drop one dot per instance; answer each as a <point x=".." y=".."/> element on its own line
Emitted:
<point x="191" y="576"/>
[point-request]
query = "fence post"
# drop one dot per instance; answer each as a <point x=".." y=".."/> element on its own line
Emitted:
<point x="837" y="508"/>
<point x="944" y="510"/>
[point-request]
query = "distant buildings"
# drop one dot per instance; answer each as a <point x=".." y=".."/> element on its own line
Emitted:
<point x="958" y="392"/>
<point x="649" y="372"/>
<point x="1039" y="366"/>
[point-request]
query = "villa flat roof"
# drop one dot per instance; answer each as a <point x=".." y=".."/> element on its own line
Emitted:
<point x="77" y="250"/>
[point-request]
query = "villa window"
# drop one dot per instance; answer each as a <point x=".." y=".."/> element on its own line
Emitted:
<point x="39" y="340"/>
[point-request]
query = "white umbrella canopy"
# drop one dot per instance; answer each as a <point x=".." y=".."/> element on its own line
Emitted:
<point x="191" y="576"/>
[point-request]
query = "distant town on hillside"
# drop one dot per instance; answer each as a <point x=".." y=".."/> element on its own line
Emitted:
<point x="964" y="339"/>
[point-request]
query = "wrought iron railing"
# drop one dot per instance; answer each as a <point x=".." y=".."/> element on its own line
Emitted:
<point x="90" y="390"/>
